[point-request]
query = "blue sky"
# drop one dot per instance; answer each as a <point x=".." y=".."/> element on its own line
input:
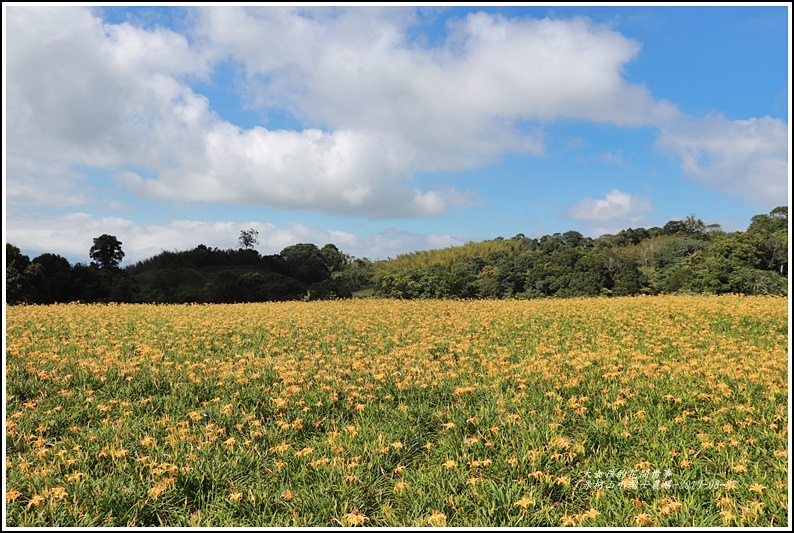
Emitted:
<point x="386" y="129"/>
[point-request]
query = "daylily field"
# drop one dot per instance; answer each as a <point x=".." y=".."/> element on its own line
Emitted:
<point x="645" y="411"/>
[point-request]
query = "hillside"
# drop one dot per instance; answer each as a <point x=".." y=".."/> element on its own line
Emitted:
<point x="685" y="256"/>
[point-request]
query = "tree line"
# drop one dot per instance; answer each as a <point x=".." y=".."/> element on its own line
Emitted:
<point x="201" y="275"/>
<point x="683" y="256"/>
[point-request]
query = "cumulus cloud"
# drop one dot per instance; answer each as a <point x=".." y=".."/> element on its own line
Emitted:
<point x="378" y="107"/>
<point x="93" y="94"/>
<point x="617" y="210"/>
<point x="342" y="171"/>
<point x="744" y="158"/>
<point x="457" y="102"/>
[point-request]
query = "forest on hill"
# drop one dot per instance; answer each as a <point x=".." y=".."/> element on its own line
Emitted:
<point x="683" y="256"/>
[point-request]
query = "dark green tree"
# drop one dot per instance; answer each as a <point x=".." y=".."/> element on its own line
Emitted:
<point x="52" y="282"/>
<point x="248" y="238"/>
<point x="773" y="228"/>
<point x="334" y="259"/>
<point x="305" y="263"/>
<point x="106" y="252"/>
<point x="17" y="275"/>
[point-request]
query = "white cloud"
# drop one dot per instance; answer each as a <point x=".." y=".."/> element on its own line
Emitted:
<point x="617" y="210"/>
<point x="38" y="181"/>
<point x="456" y="104"/>
<point x="93" y="94"/>
<point x="744" y="158"/>
<point x="378" y="107"/>
<point x="109" y="96"/>
<point x="340" y="172"/>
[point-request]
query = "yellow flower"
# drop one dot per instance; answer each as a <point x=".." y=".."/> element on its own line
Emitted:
<point x="304" y="452"/>
<point x="355" y="518"/>
<point x="36" y="500"/>
<point x="524" y="502"/>
<point x="279" y="402"/>
<point x="643" y="519"/>
<point x="281" y="448"/>
<point x="757" y="506"/>
<point x="567" y="520"/>
<point x="533" y="455"/>
<point x="437" y="519"/>
<point x="157" y="490"/>
<point x="12" y="495"/>
<point x="727" y="516"/>
<point x="75" y="476"/>
<point x="287" y="495"/>
<point x="400" y="486"/>
<point x="449" y="464"/>
<point x="730" y="484"/>
<point x="592" y="513"/>
<point x="724" y="501"/>
<point x="235" y="497"/>
<point x="230" y="441"/>
<point x="148" y="441"/>
<point x="756" y="487"/>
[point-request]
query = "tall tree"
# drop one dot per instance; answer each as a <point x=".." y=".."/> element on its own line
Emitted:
<point x="106" y="252"/>
<point x="248" y="238"/>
